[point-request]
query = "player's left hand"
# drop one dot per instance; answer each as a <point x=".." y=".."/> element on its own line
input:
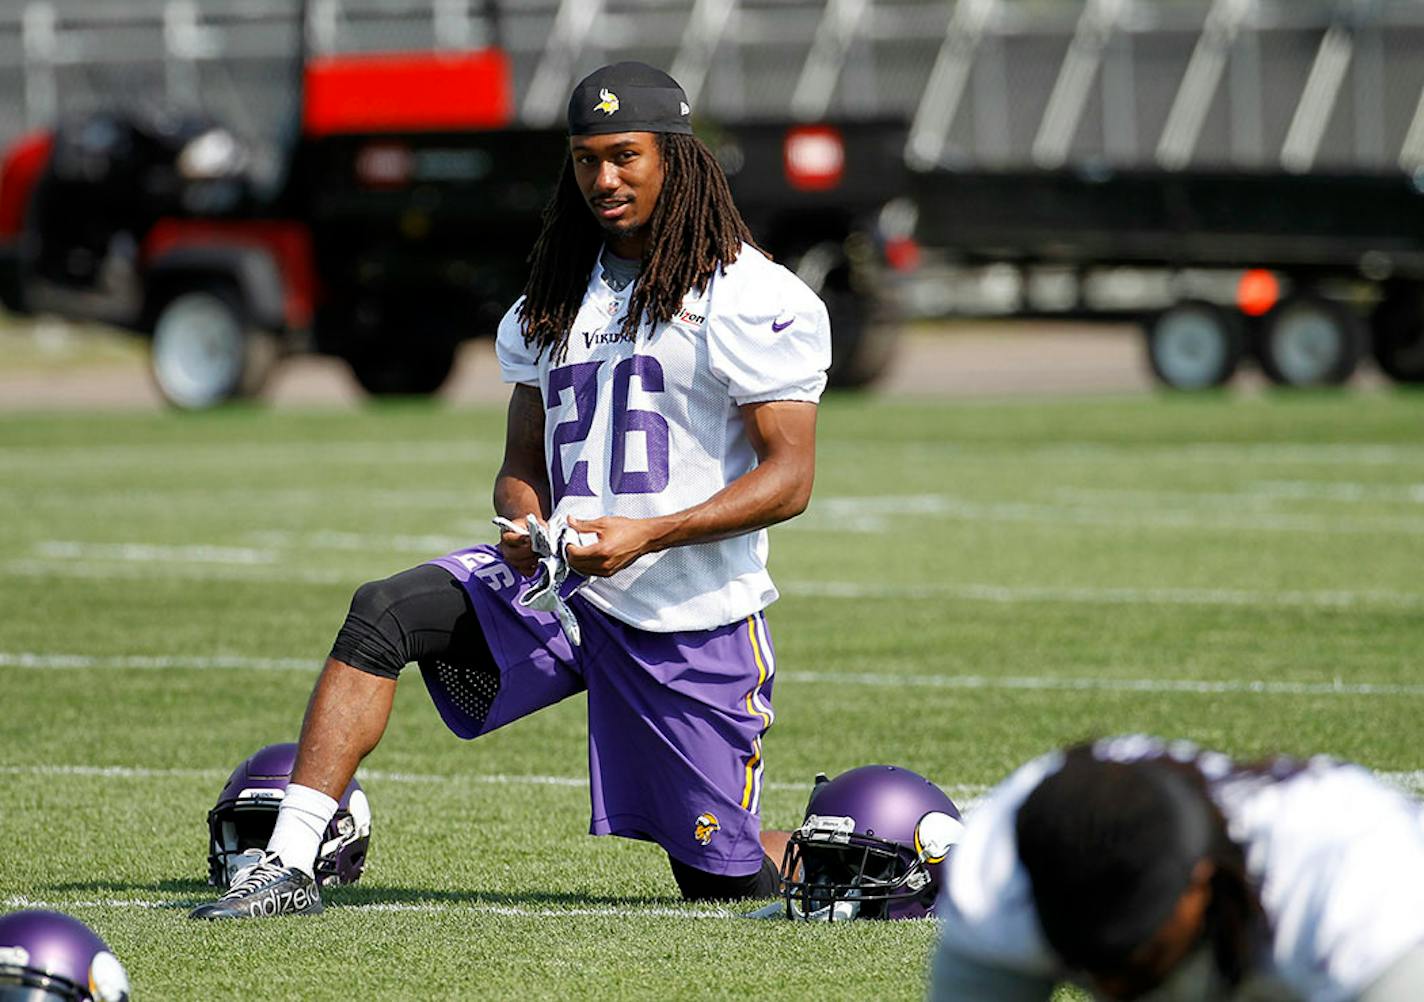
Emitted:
<point x="620" y="542"/>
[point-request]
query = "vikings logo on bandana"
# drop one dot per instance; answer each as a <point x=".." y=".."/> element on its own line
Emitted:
<point x="609" y="104"/>
<point x="705" y="827"/>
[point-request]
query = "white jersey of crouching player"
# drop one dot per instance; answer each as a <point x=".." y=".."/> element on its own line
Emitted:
<point x="1331" y="873"/>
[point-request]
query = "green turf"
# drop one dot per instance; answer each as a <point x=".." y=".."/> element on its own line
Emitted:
<point x="974" y="583"/>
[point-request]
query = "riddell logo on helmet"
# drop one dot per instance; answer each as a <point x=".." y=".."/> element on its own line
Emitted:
<point x="705" y="827"/>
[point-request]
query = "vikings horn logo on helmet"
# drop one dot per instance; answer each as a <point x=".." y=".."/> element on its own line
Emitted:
<point x="609" y="104"/>
<point x="705" y="827"/>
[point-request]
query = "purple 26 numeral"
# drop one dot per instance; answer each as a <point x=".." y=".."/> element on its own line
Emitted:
<point x="653" y="426"/>
<point x="581" y="377"/>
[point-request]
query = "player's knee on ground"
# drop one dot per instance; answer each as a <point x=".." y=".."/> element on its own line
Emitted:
<point x="420" y="612"/>
<point x="699" y="885"/>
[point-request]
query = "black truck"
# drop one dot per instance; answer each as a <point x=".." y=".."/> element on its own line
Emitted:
<point x="1318" y="269"/>
<point x="395" y="227"/>
<point x="1245" y="178"/>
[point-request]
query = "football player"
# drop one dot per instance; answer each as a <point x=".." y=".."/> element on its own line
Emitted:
<point x="666" y="375"/>
<point x="1140" y="869"/>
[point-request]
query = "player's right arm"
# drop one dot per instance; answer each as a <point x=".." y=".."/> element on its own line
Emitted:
<point x="522" y="485"/>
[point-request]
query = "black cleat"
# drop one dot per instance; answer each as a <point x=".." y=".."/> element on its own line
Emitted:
<point x="264" y="888"/>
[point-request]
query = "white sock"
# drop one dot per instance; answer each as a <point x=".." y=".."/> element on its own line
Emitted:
<point x="301" y="822"/>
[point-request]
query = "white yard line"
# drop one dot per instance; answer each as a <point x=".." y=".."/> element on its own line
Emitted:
<point x="231" y="497"/>
<point x="962" y="793"/>
<point x="1252" y="455"/>
<point x="1339" y="687"/>
<point x="153" y="553"/>
<point x="966" y="795"/>
<point x="1146" y="685"/>
<point x="61" y="662"/>
<point x="631" y="910"/>
<point x="232" y="455"/>
<point x="364" y="542"/>
<point x="890" y="514"/>
<point x="130" y="561"/>
<point x="424" y="450"/>
<point x="100" y="572"/>
<point x="1014" y="594"/>
<point x="1263" y="492"/>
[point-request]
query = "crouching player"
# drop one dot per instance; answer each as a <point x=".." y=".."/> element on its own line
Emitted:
<point x="1144" y="870"/>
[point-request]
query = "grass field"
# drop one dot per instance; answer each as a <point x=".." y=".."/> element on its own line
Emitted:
<point x="974" y="584"/>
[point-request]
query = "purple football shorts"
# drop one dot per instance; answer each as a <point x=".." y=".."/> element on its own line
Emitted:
<point x="675" y="720"/>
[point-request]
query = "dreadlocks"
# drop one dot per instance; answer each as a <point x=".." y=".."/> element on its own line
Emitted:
<point x="694" y="231"/>
<point x="1097" y="833"/>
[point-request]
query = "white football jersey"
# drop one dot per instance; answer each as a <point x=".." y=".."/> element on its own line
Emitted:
<point x="1338" y="857"/>
<point x="650" y="426"/>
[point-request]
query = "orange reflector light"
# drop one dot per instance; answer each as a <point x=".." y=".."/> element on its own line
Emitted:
<point x="1257" y="292"/>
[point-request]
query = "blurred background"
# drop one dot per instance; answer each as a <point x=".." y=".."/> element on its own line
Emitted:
<point x="1098" y="194"/>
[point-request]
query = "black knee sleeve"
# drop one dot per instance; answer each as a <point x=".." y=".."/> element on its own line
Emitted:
<point x="699" y="885"/>
<point x="418" y="613"/>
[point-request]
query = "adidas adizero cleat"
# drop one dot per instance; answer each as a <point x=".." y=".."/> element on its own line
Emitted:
<point x="264" y="888"/>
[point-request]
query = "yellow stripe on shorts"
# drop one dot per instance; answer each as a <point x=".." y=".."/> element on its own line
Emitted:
<point x="756" y="711"/>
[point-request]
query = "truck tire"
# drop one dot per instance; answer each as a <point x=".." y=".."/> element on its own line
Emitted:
<point x="205" y="353"/>
<point x="389" y="368"/>
<point x="1398" y="328"/>
<point x="864" y="332"/>
<point x="865" y="323"/>
<point x="1195" y="345"/>
<point x="1307" y="340"/>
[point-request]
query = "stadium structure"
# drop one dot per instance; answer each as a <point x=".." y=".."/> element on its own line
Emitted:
<point x="1242" y="176"/>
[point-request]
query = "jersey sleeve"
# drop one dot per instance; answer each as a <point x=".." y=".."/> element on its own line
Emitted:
<point x="991" y="946"/>
<point x="768" y="334"/>
<point x="518" y="363"/>
<point x="1340" y="857"/>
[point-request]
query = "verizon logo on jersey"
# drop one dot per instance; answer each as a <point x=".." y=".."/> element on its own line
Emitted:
<point x="688" y="317"/>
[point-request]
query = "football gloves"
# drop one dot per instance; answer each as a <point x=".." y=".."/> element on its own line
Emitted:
<point x="545" y="592"/>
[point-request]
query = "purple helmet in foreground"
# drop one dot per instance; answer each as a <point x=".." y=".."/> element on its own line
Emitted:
<point x="241" y="823"/>
<point x="46" y="956"/>
<point x="873" y="845"/>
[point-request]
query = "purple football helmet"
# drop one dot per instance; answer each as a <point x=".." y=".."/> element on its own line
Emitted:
<point x="873" y="845"/>
<point x="46" y="956"/>
<point x="241" y="823"/>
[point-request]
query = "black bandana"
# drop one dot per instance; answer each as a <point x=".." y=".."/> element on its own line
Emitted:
<point x="1110" y="847"/>
<point x="628" y="97"/>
